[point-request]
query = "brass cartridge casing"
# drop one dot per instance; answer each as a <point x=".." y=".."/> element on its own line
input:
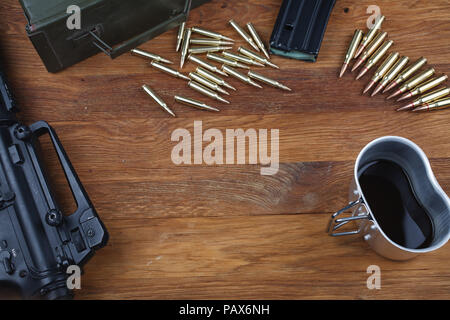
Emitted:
<point x="426" y="86"/>
<point x="226" y="61"/>
<point x="392" y="73"/>
<point x="185" y="46"/>
<point x="436" y="105"/>
<point x="257" y="57"/>
<point x="382" y="70"/>
<point x="210" y="34"/>
<point x="351" y="51"/>
<point x="200" y="50"/>
<point x="207" y="83"/>
<point x="206" y="65"/>
<point x="407" y="73"/>
<point x="373" y="46"/>
<point x="257" y="39"/>
<point x="369" y="36"/>
<point x="205" y="91"/>
<point x="195" y="103"/>
<point x="180" y="36"/>
<point x="430" y="97"/>
<point x="158" y="100"/>
<point x="415" y="81"/>
<point x="168" y="70"/>
<point x="243" y="34"/>
<point x="211" y="42"/>
<point x="243" y="59"/>
<point x="268" y="81"/>
<point x="377" y="56"/>
<point x="240" y="76"/>
<point x="208" y="75"/>
<point x="149" y="55"/>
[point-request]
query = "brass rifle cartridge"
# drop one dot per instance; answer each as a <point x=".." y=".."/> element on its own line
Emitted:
<point x="257" y="57"/>
<point x="206" y="64"/>
<point x="436" y="105"/>
<point x="243" y="59"/>
<point x="373" y="46"/>
<point x="149" y="55"/>
<point x="240" y="76"/>
<point x="430" y="84"/>
<point x="205" y="91"/>
<point x="430" y="97"/>
<point x="180" y="36"/>
<point x="257" y="39"/>
<point x="415" y="81"/>
<point x="377" y="56"/>
<point x="200" y="50"/>
<point x="369" y="36"/>
<point x="210" y="34"/>
<point x="185" y="46"/>
<point x="268" y="81"/>
<point x="244" y="34"/>
<point x="226" y="61"/>
<point x="211" y="42"/>
<point x="407" y="73"/>
<point x="207" y="83"/>
<point x="351" y="51"/>
<point x="382" y="70"/>
<point x="208" y="75"/>
<point x="158" y="100"/>
<point x="395" y="70"/>
<point x="195" y="103"/>
<point x="168" y="70"/>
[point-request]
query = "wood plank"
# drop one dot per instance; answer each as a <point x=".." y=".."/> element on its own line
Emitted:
<point x="197" y="231"/>
<point x="221" y="191"/>
<point x="321" y="137"/>
<point x="271" y="257"/>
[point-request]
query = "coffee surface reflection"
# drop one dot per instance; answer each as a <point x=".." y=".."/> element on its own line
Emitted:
<point x="394" y="205"/>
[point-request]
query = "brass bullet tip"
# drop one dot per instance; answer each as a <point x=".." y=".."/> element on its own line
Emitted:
<point x="253" y="83"/>
<point x="408" y="106"/>
<point x="182" y="76"/>
<point x="390" y="86"/>
<point x="359" y="51"/>
<point x="422" y="108"/>
<point x="273" y="65"/>
<point x="229" y="86"/>
<point x="219" y="89"/>
<point x="357" y="64"/>
<point x="396" y="93"/>
<point x="343" y="69"/>
<point x="377" y="90"/>
<point x="285" y="88"/>
<point x="222" y="100"/>
<point x="370" y="85"/>
<point x="404" y="97"/>
<point x="362" y="73"/>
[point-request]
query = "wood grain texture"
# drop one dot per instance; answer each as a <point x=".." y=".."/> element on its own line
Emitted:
<point x="225" y="231"/>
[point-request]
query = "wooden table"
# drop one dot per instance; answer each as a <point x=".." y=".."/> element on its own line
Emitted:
<point x="226" y="231"/>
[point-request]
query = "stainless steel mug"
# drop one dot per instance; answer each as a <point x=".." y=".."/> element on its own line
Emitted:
<point x="426" y="189"/>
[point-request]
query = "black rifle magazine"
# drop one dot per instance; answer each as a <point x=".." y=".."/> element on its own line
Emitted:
<point x="300" y="28"/>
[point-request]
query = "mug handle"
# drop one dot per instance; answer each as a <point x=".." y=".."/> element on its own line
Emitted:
<point x="336" y="223"/>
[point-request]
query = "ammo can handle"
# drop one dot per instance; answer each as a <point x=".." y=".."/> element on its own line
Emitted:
<point x="136" y="41"/>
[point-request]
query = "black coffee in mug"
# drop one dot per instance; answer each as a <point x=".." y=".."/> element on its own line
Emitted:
<point x="392" y="200"/>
